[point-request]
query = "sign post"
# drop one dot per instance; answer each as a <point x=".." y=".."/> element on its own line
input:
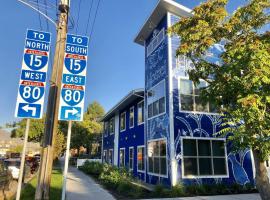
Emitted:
<point x="73" y="88"/>
<point x="32" y="83"/>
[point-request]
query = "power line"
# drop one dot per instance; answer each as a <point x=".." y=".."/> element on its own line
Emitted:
<point x="94" y="20"/>
<point x="89" y="14"/>
<point x="79" y="10"/>
<point x="47" y="22"/>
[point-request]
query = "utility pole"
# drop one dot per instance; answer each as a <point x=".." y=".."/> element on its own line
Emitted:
<point x="44" y="178"/>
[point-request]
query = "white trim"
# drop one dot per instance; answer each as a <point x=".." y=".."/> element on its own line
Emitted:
<point x="116" y="138"/>
<point x="124" y="157"/>
<point x="142" y="101"/>
<point x="131" y="108"/>
<point x="122" y="130"/>
<point x="191" y="111"/>
<point x="138" y="170"/>
<point x="164" y="83"/>
<point x="132" y="159"/>
<point x="205" y="176"/>
<point x="152" y="173"/>
<point x="253" y="164"/>
<point x="171" y="113"/>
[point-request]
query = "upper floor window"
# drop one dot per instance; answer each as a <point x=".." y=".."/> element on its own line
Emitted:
<point x="123" y="121"/>
<point x="204" y="157"/>
<point x="131" y="117"/>
<point x="158" y="37"/>
<point x="131" y="158"/>
<point x="140" y="112"/>
<point x="156" y="100"/>
<point x="106" y="128"/>
<point x="190" y="99"/>
<point x="111" y="126"/>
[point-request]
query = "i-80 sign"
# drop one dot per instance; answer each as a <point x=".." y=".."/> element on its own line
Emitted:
<point x="73" y="78"/>
<point x="32" y="83"/>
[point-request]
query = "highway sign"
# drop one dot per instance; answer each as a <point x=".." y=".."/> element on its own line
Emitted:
<point x="32" y="82"/>
<point x="73" y="78"/>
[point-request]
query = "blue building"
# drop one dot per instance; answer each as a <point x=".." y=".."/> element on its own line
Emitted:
<point x="163" y="133"/>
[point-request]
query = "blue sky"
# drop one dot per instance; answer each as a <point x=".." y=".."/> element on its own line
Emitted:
<point x="115" y="62"/>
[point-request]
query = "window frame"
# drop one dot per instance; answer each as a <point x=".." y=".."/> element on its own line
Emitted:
<point x="122" y="130"/>
<point x="113" y="124"/>
<point x="139" y="170"/>
<point x="105" y="155"/>
<point x="165" y="109"/>
<point x="110" y="150"/>
<point x="124" y="164"/>
<point x="132" y="161"/>
<point x="131" y="108"/>
<point x="152" y="173"/>
<point x="143" y="111"/>
<point x="193" y="99"/>
<point x="204" y="176"/>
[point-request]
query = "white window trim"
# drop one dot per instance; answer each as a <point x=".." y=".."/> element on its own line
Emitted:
<point x="131" y="108"/>
<point x="206" y="176"/>
<point x="142" y="101"/>
<point x="124" y="157"/>
<point x="113" y="126"/>
<point x="138" y="170"/>
<point x="155" y="174"/>
<point x="129" y="159"/>
<point x="179" y="97"/>
<point x="112" y="156"/>
<point x="158" y="99"/>
<point x="122" y="130"/>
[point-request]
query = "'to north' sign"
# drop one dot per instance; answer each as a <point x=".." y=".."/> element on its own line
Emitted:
<point x="32" y="84"/>
<point x="73" y="78"/>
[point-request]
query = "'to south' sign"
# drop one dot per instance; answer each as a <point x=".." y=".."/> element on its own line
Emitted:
<point x="32" y="83"/>
<point x="73" y="78"/>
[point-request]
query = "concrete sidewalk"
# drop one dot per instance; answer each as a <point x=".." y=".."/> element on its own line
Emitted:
<point x="83" y="187"/>
<point x="220" y="197"/>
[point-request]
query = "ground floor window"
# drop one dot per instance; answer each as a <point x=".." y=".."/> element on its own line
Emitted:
<point x="122" y="158"/>
<point x="204" y="157"/>
<point x="131" y="158"/>
<point x="140" y="158"/>
<point x="157" y="159"/>
<point x="111" y="156"/>
<point x="105" y="156"/>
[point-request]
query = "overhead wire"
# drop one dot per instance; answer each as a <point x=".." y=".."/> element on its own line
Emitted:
<point x="39" y="17"/>
<point x="46" y="12"/>
<point x="94" y="20"/>
<point x="89" y="15"/>
<point x="79" y="10"/>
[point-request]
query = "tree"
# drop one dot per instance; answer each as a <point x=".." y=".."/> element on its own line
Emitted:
<point x="241" y="82"/>
<point x="85" y="133"/>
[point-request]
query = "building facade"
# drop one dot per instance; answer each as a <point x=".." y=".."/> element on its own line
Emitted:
<point x="164" y="133"/>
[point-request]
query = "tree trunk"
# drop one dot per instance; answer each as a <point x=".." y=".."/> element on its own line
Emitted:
<point x="262" y="179"/>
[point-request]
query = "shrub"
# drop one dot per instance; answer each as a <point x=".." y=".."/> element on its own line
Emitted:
<point x="178" y="190"/>
<point x="92" y="168"/>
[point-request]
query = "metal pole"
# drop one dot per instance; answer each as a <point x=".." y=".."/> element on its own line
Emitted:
<point x="66" y="161"/>
<point x="18" y="195"/>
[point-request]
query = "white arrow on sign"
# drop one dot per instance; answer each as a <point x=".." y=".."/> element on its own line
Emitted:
<point x="73" y="112"/>
<point x="26" y="108"/>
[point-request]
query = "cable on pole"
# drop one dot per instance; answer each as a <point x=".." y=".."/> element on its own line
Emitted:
<point x="89" y="15"/>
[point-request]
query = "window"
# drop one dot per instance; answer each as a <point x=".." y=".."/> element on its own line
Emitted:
<point x="111" y="126"/>
<point x="157" y="39"/>
<point x="140" y="158"/>
<point x="190" y="97"/>
<point x="140" y="112"/>
<point x="202" y="157"/>
<point x="156" y="100"/>
<point x="110" y="156"/>
<point x="157" y="161"/>
<point x="105" y="156"/>
<point x="122" y="158"/>
<point x="131" y="117"/>
<point x="131" y="158"/>
<point x="123" y="121"/>
<point x="106" y="129"/>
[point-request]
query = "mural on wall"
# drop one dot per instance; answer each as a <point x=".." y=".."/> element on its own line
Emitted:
<point x="203" y="125"/>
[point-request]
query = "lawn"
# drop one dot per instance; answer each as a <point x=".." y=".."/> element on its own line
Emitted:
<point x="28" y="193"/>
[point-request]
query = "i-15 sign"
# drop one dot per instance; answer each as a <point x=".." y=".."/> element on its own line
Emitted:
<point x="73" y="78"/>
<point x="32" y="83"/>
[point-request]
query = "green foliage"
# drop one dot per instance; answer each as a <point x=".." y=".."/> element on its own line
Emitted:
<point x="17" y="149"/>
<point x="242" y="78"/>
<point x="93" y="168"/>
<point x="178" y="191"/>
<point x="59" y="145"/>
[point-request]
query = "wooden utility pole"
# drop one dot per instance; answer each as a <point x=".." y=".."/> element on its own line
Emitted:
<point x="44" y="178"/>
